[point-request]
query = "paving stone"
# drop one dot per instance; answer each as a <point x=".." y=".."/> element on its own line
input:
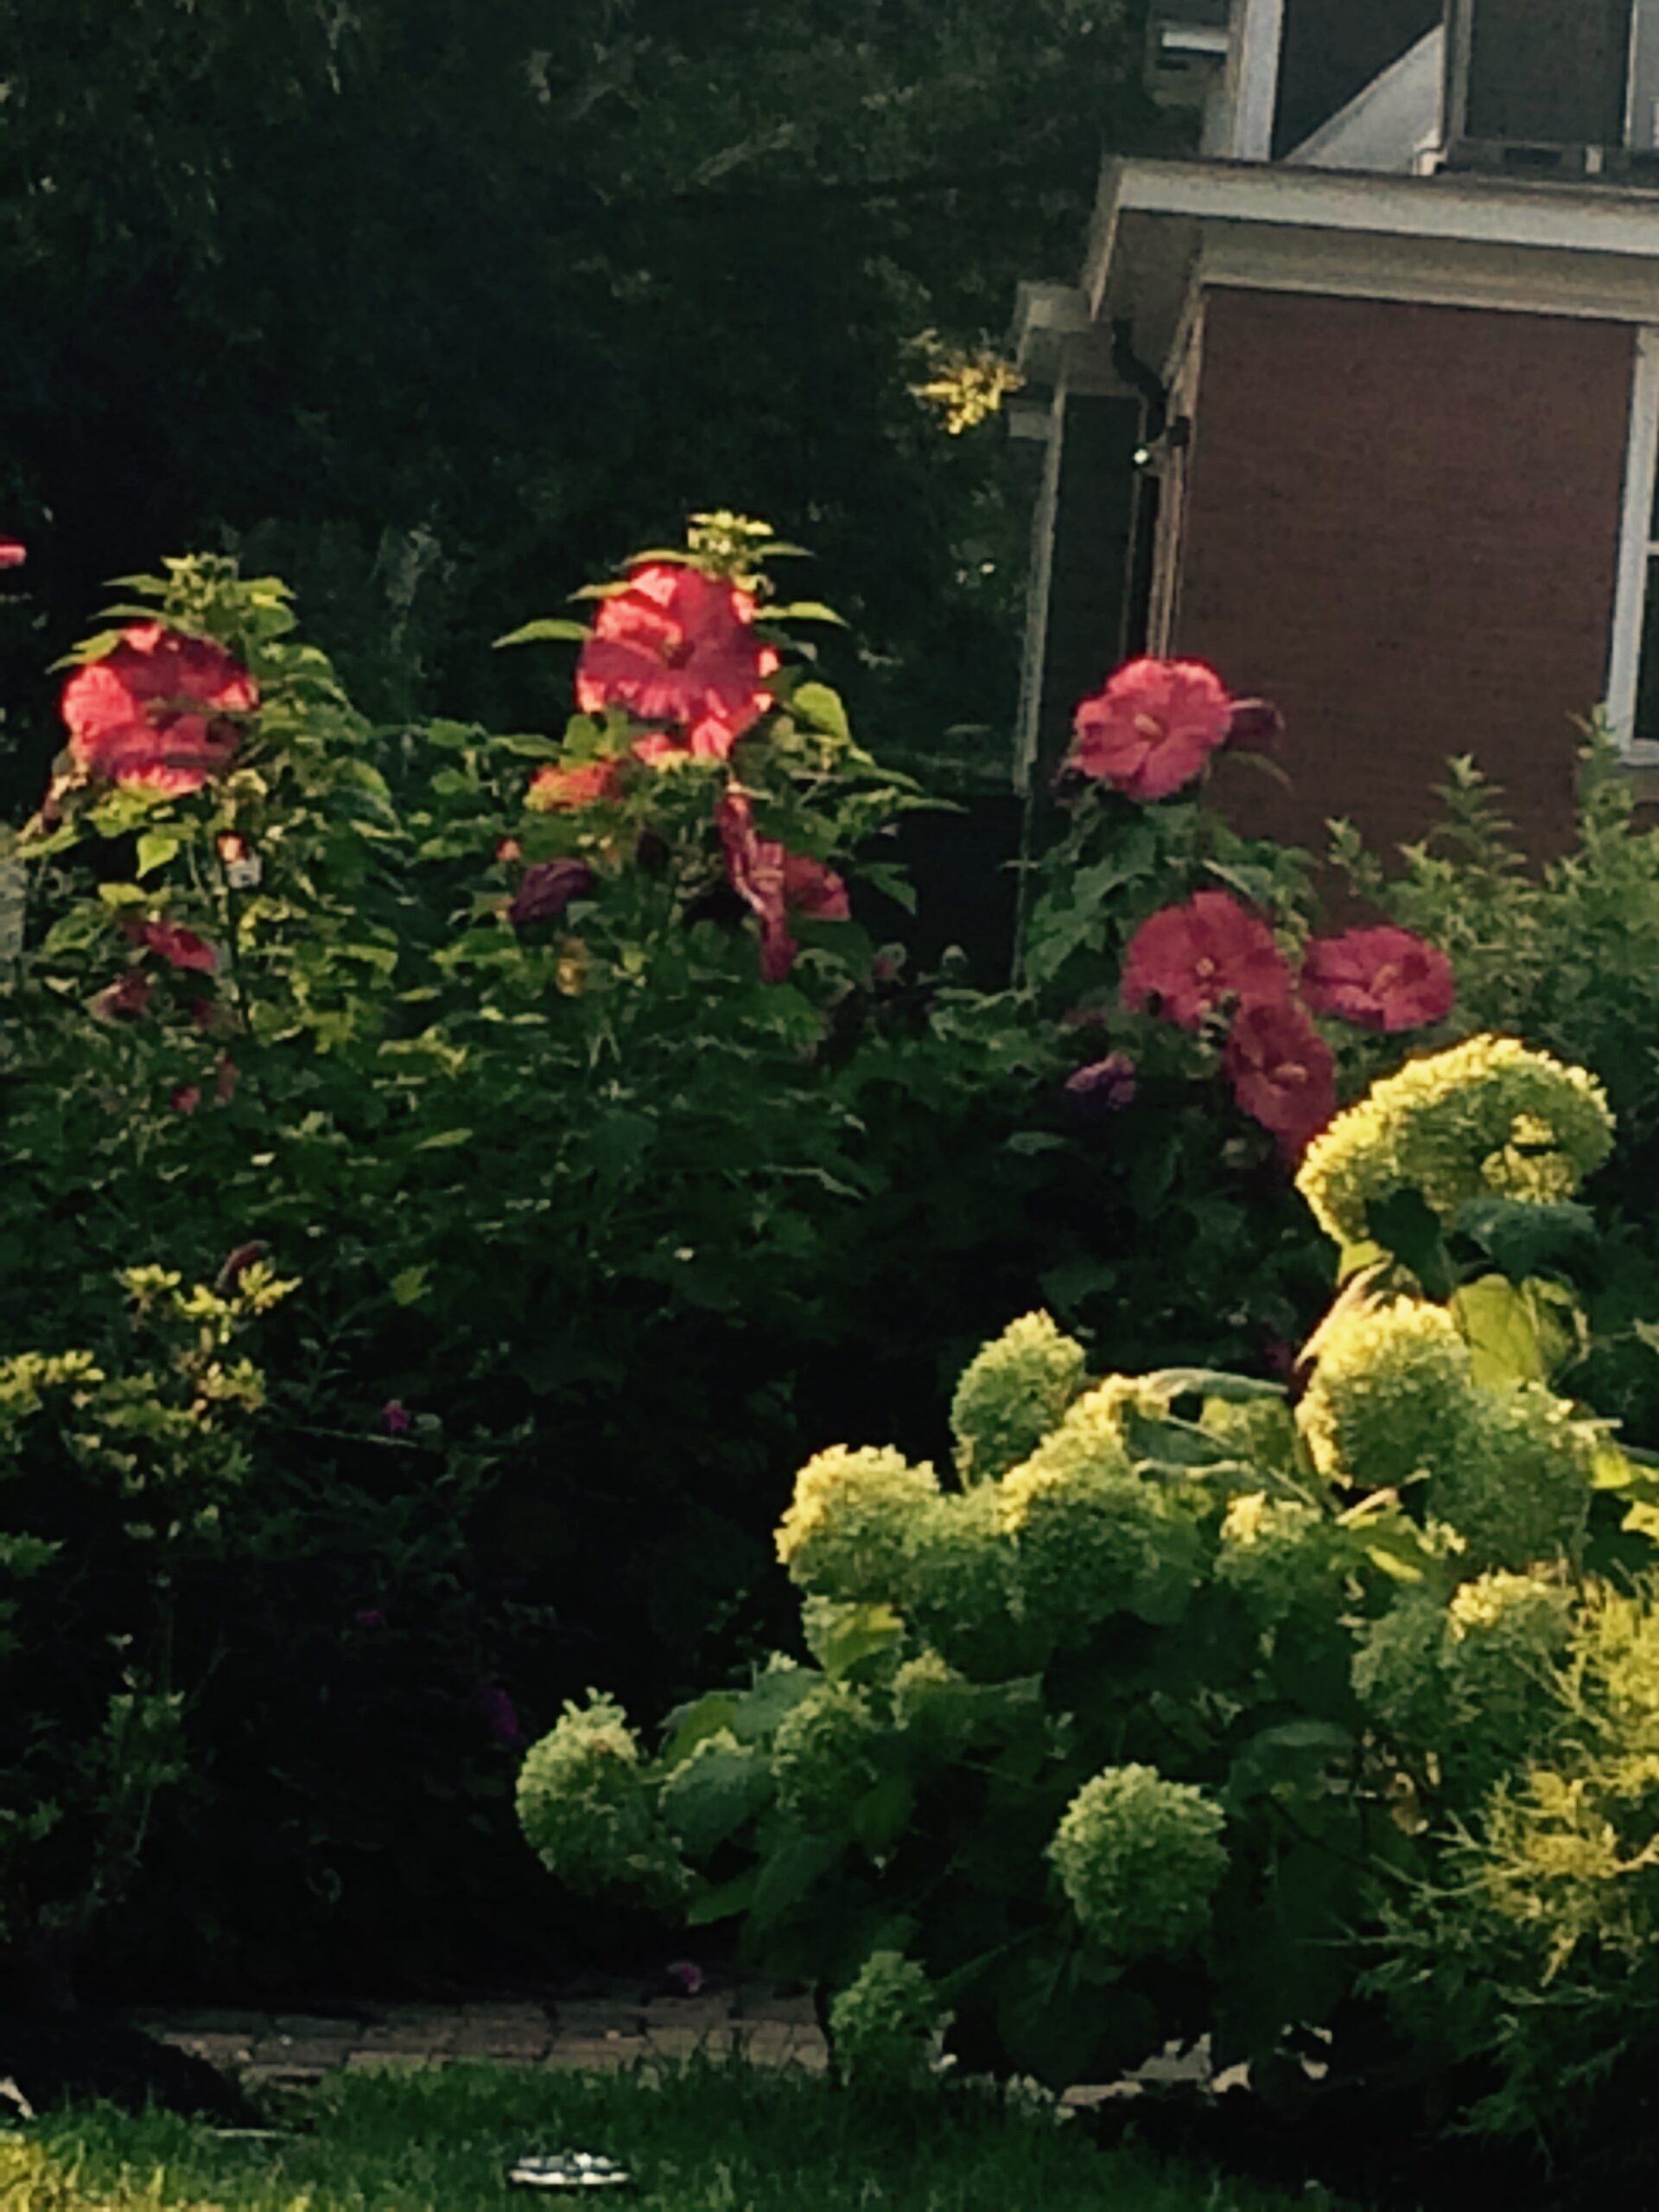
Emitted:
<point x="674" y="2012"/>
<point x="608" y="2051"/>
<point x="281" y="2077"/>
<point x="775" y="2004"/>
<point x="430" y="2032"/>
<point x="693" y="2042"/>
<point x="226" y="2052"/>
<point x="776" y="2042"/>
<point x="394" y="2061"/>
<point x="599" y="2017"/>
<point x="208" y="2021"/>
<point x="318" y="2027"/>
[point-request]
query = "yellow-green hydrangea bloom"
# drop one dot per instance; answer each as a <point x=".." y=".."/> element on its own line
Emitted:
<point x="1090" y="1536"/>
<point x="1393" y="1387"/>
<point x="885" y="2026"/>
<point x="1489" y="1118"/>
<point x="961" y="1586"/>
<point x="1276" y="1554"/>
<point x="1139" y="1858"/>
<point x="589" y="1814"/>
<point x="1012" y="1395"/>
<point x="846" y="1532"/>
<point x="1515" y="1483"/>
<point x="821" y="1755"/>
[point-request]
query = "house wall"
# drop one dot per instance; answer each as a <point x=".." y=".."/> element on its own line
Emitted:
<point x="1401" y="525"/>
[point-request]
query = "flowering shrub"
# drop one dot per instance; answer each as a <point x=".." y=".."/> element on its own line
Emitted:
<point x="119" y="1471"/>
<point x="531" y="1055"/>
<point x="1211" y="1025"/>
<point x="1139" y="1733"/>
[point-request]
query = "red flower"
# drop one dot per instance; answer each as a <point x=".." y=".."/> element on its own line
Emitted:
<point x="150" y="712"/>
<point x="678" y="646"/>
<point x="1191" y="958"/>
<point x="548" y="889"/>
<point x="756" y="868"/>
<point x="1154" y="726"/>
<point x="814" y="890"/>
<point x="130" y="995"/>
<point x="179" y="948"/>
<point x="227" y="1080"/>
<point x="586" y="782"/>
<point x="13" y="553"/>
<point x="394" y="1417"/>
<point x="1381" y="979"/>
<point x="1281" y="1072"/>
<point x="185" y="1098"/>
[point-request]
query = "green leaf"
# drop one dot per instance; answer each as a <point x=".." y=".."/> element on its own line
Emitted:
<point x="859" y="1633"/>
<point x="776" y="1692"/>
<point x="724" y="1902"/>
<point x="443" y="1140"/>
<point x="1523" y="1238"/>
<point x="820" y="708"/>
<point x="553" y="629"/>
<point x="690" y="1724"/>
<point x="789" y="1874"/>
<point x="882" y="1815"/>
<point x="1405" y="1224"/>
<point x="804" y="610"/>
<point x="1172" y="1383"/>
<point x="1497" y="1324"/>
<point x="713" y="1795"/>
<point x="156" y="848"/>
<point x="409" y="1285"/>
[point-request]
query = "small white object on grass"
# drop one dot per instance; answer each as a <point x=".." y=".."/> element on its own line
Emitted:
<point x="571" y="2169"/>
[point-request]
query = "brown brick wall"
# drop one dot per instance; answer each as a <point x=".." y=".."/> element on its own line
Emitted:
<point x="1403" y="527"/>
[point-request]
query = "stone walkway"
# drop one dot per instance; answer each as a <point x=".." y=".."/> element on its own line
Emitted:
<point x="619" y="2027"/>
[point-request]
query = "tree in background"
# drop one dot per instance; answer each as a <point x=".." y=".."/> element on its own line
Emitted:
<point x="432" y="306"/>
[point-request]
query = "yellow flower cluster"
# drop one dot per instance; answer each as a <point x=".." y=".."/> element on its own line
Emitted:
<point x="1489" y="1118"/>
<point x="1012" y="1395"/>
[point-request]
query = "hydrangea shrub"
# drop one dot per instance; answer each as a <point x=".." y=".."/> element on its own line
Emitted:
<point x="1139" y="1726"/>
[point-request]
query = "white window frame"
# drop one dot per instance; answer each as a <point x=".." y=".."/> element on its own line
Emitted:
<point x="1637" y="550"/>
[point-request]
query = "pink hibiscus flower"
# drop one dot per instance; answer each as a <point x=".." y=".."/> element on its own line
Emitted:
<point x="1153" y="728"/>
<point x="13" y="553"/>
<point x="755" y="866"/>
<point x="548" y="889"/>
<point x="178" y="947"/>
<point x="678" y="646"/>
<point x="127" y="998"/>
<point x="1381" y="979"/>
<point x="814" y="890"/>
<point x="585" y="783"/>
<point x="1189" y="958"/>
<point x="1282" y="1072"/>
<point x="152" y="711"/>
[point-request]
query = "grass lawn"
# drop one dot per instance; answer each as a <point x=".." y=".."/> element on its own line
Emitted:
<point x="705" y="2139"/>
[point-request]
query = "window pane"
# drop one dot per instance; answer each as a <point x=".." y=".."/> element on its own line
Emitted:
<point x="1647" y="689"/>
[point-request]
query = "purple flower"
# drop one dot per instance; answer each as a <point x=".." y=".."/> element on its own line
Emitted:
<point x="548" y="889"/>
<point x="394" y="1417"/>
<point x="683" y="1975"/>
<point x="501" y="1716"/>
<point x="1105" y="1086"/>
<point x="371" y="1617"/>
<point x="1257" y="726"/>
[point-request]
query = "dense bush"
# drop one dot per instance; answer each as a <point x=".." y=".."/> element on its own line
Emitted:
<point x="1181" y="1720"/>
<point x="548" y="1066"/>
